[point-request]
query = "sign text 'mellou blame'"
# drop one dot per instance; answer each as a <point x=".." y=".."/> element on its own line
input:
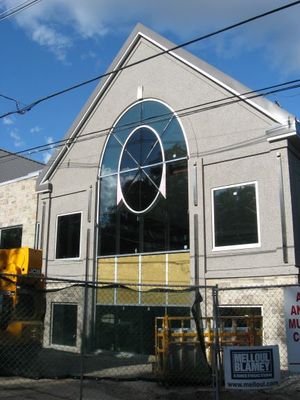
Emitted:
<point x="254" y="364"/>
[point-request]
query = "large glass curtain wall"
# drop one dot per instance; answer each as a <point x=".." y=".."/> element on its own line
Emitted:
<point x="143" y="183"/>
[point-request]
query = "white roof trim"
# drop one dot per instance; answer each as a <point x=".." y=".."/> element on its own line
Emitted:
<point x="102" y="89"/>
<point x="220" y="83"/>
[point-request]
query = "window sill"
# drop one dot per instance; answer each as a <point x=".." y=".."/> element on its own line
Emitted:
<point x="237" y="247"/>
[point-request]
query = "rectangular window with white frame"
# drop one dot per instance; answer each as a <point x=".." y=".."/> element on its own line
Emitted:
<point x="11" y="237"/>
<point x="68" y="234"/>
<point x="235" y="216"/>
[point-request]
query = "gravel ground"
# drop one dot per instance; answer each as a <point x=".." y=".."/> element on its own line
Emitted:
<point x="69" y="389"/>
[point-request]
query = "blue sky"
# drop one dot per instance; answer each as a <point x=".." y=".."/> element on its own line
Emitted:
<point x="57" y="43"/>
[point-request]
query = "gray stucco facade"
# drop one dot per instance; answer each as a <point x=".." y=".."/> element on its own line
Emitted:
<point x="242" y="143"/>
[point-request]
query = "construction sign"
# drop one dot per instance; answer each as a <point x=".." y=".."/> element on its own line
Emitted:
<point x="292" y="324"/>
<point x="251" y="367"/>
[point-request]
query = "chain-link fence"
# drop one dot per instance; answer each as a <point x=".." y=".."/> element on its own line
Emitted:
<point x="84" y="340"/>
<point x="253" y="316"/>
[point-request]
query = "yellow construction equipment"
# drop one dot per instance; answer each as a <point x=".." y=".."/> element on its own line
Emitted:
<point x="178" y="349"/>
<point x="22" y="299"/>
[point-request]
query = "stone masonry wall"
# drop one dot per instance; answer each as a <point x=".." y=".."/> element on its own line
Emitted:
<point x="18" y="202"/>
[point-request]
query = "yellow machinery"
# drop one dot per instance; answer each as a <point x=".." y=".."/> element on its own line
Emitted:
<point x="22" y="303"/>
<point x="178" y="351"/>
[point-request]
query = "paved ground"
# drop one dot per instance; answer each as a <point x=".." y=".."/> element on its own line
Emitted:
<point x="69" y="389"/>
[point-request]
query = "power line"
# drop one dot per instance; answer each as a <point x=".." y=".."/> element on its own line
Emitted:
<point x="9" y="13"/>
<point x="168" y="51"/>
<point x="17" y="102"/>
<point x="15" y="10"/>
<point x="183" y="112"/>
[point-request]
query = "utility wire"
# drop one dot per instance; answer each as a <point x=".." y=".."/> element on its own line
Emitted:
<point x="168" y="51"/>
<point x="17" y="102"/>
<point x="15" y="10"/>
<point x="202" y="107"/>
<point x="6" y="14"/>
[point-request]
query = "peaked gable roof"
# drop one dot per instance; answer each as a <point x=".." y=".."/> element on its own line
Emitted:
<point x="13" y="166"/>
<point x="281" y="117"/>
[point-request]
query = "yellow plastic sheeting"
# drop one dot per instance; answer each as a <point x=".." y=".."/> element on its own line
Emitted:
<point x="106" y="273"/>
<point x="128" y="273"/>
<point x="153" y="273"/>
<point x="179" y="274"/>
<point x="179" y="269"/>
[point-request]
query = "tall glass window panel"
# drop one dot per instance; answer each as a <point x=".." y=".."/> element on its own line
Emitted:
<point x="68" y="236"/>
<point x="111" y="156"/>
<point x="129" y="231"/>
<point x="64" y="324"/>
<point x="156" y="228"/>
<point x="108" y="221"/>
<point x="173" y="140"/>
<point x="177" y="199"/>
<point x="235" y="216"/>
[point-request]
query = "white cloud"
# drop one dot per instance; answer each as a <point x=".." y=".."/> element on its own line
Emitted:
<point x="47" y="155"/>
<point x="89" y="54"/>
<point x="56" y="24"/>
<point x="35" y="129"/>
<point x="14" y="134"/>
<point x="46" y="36"/>
<point x="8" y="121"/>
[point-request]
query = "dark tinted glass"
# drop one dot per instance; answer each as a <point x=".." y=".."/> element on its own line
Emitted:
<point x="11" y="238"/>
<point x="167" y="126"/>
<point x="173" y="141"/>
<point x="148" y="192"/>
<point x="156" y="228"/>
<point x="130" y="329"/>
<point x="177" y="203"/>
<point x="163" y="226"/>
<point x="130" y="120"/>
<point x="156" y="115"/>
<point x="68" y="236"/>
<point x="118" y="136"/>
<point x="108" y="221"/>
<point x="111" y="156"/>
<point x="154" y="156"/>
<point x="64" y="324"/>
<point x="153" y="174"/>
<point x="140" y="188"/>
<point x="235" y="216"/>
<point x="130" y="185"/>
<point x="129" y="232"/>
<point x="141" y="149"/>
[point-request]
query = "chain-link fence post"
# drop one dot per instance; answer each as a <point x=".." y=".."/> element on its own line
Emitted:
<point x="83" y="339"/>
<point x="84" y="317"/>
<point x="216" y="347"/>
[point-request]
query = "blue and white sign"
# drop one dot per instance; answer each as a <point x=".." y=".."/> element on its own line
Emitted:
<point x="251" y="367"/>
